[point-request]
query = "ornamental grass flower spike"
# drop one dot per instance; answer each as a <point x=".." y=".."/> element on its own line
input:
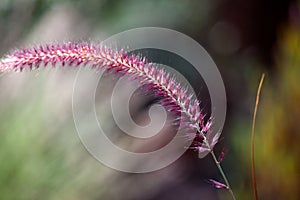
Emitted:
<point x="173" y="96"/>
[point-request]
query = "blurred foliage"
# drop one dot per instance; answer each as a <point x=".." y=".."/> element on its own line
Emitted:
<point x="42" y="158"/>
<point x="278" y="137"/>
<point x="278" y="130"/>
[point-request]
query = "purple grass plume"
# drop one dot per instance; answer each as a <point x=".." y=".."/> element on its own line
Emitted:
<point x="176" y="98"/>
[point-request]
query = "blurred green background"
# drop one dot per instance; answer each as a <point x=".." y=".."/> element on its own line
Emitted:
<point x="41" y="156"/>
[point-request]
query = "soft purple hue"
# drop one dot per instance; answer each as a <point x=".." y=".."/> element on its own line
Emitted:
<point x="217" y="184"/>
<point x="222" y="155"/>
<point x="176" y="98"/>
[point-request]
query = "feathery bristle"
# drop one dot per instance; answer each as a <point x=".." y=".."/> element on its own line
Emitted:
<point x="176" y="98"/>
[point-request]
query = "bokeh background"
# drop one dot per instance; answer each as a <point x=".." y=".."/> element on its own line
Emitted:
<point x="41" y="156"/>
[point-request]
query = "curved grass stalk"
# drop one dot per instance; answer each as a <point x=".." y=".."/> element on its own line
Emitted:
<point x="175" y="98"/>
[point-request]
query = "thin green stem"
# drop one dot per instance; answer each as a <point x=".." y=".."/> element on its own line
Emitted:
<point x="223" y="174"/>
<point x="220" y="168"/>
<point x="206" y="143"/>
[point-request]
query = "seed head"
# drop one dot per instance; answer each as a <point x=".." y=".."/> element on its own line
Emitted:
<point x="174" y="97"/>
